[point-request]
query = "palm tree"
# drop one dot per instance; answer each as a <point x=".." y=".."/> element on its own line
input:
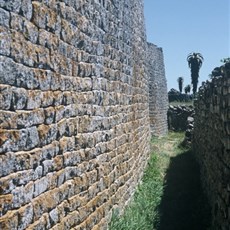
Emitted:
<point x="180" y="81"/>
<point x="195" y="61"/>
<point x="187" y="89"/>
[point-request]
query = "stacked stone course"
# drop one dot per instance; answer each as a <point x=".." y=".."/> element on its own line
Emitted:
<point x="178" y="116"/>
<point x="74" y="123"/>
<point x="212" y="146"/>
<point x="158" y="99"/>
<point x="74" y="111"/>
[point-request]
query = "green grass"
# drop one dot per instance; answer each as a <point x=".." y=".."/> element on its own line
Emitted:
<point x="170" y="194"/>
<point x="142" y="213"/>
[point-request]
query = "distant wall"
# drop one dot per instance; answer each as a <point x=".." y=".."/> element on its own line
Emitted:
<point x="178" y="115"/>
<point x="212" y="146"/>
<point x="180" y="97"/>
<point x="158" y="98"/>
<point x="74" y="112"/>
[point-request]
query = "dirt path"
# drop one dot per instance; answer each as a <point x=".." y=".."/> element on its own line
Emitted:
<point x="183" y="205"/>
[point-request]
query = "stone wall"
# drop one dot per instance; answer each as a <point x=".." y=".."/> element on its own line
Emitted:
<point x="178" y="117"/>
<point x="74" y="123"/>
<point x="212" y="146"/>
<point x="158" y="99"/>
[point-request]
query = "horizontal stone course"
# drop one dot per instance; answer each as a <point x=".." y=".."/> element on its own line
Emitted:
<point x="74" y="112"/>
<point x="212" y="145"/>
<point x="178" y="117"/>
<point x="158" y="100"/>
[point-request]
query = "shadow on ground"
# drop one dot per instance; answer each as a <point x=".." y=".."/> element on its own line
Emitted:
<point x="183" y="205"/>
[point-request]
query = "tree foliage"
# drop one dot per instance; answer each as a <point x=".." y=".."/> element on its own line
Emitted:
<point x="180" y="81"/>
<point x="187" y="89"/>
<point x="195" y="61"/>
<point x="225" y="60"/>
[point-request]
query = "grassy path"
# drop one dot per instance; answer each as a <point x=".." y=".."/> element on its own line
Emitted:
<point x="170" y="196"/>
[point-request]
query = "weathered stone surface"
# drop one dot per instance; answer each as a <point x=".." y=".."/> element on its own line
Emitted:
<point x="74" y="112"/>
<point x="11" y="5"/>
<point x="25" y="216"/>
<point x="178" y="115"/>
<point x="4" y="17"/>
<point x="30" y="118"/>
<point x="6" y="97"/>
<point x="28" y="29"/>
<point x="6" y="39"/>
<point x="19" y="98"/>
<point x="211" y="144"/>
<point x="8" y="70"/>
<point x="23" y="51"/>
<point x="8" y="120"/>
<point x="158" y="100"/>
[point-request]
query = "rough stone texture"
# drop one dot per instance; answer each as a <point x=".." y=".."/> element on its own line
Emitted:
<point x="74" y="124"/>
<point x="178" y="117"/>
<point x="189" y="132"/>
<point x="158" y="99"/>
<point x="212" y="146"/>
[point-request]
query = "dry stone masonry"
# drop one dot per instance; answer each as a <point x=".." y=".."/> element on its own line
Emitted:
<point x="212" y="146"/>
<point x="158" y="99"/>
<point x="74" y="112"/>
<point x="178" y="117"/>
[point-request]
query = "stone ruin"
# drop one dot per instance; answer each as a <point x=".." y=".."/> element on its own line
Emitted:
<point x="81" y="94"/>
<point x="158" y="98"/>
<point x="74" y="110"/>
<point x="211" y="145"/>
<point x="179" y="116"/>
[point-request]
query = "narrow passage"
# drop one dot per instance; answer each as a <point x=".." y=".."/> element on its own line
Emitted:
<point x="183" y="205"/>
<point x="170" y="195"/>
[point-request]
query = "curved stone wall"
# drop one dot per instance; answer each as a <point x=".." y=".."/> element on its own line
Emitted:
<point x="74" y="123"/>
<point x="211" y="145"/>
<point x="158" y="97"/>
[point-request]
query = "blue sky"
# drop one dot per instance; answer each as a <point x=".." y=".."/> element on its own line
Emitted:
<point x="184" y="26"/>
